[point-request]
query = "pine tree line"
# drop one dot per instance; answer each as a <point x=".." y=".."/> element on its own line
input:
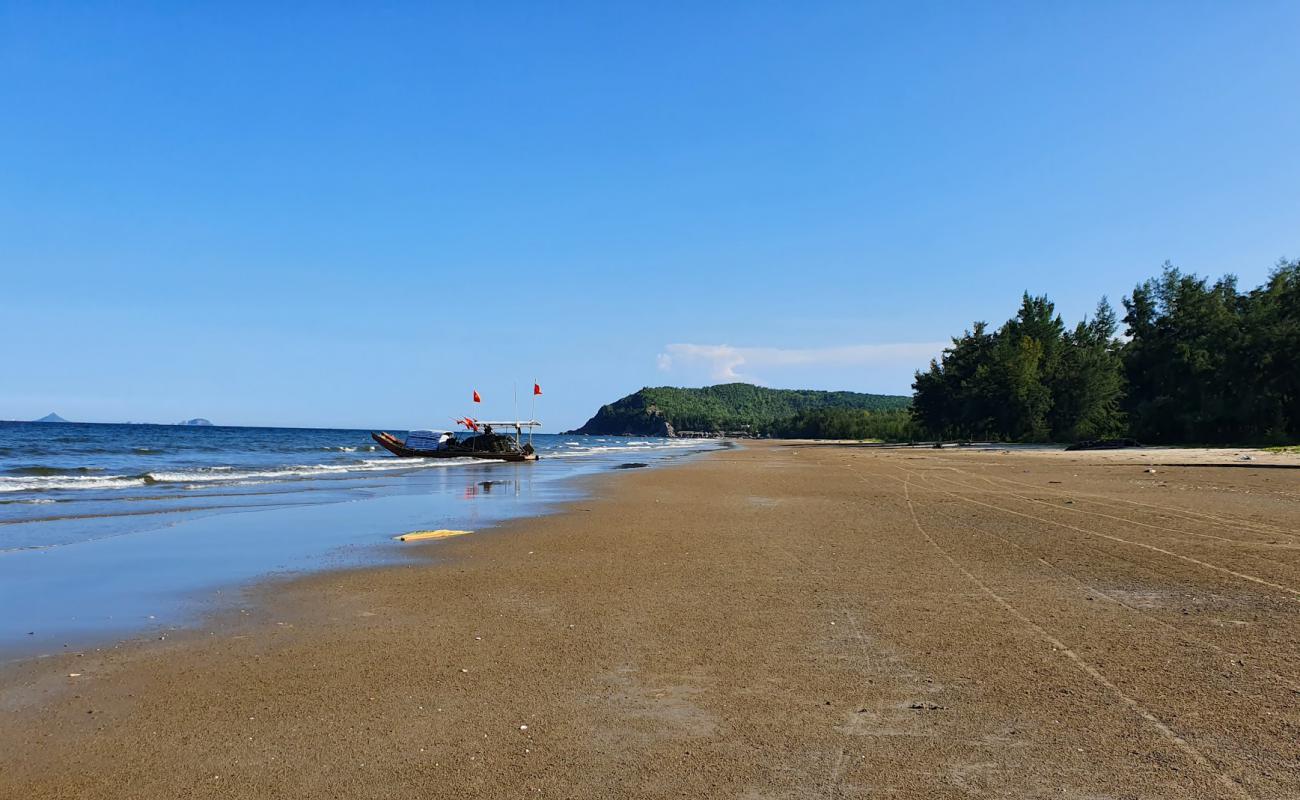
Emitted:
<point x="1199" y="362"/>
<point x="890" y="425"/>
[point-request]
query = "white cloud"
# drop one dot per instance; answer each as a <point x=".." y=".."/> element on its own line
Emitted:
<point x="725" y="362"/>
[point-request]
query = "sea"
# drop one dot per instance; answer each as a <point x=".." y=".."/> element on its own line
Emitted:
<point x="115" y="531"/>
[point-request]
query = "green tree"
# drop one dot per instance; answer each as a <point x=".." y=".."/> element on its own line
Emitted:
<point x="1203" y="362"/>
<point x="955" y="397"/>
<point x="1030" y="381"/>
<point x="1088" y="387"/>
<point x="1183" y="360"/>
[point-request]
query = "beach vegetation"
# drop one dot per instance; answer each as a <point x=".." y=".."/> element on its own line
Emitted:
<point x="887" y="425"/>
<point x="1198" y="361"/>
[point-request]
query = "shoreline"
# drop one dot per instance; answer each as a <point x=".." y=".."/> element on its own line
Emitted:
<point x="763" y="621"/>
<point x="253" y="600"/>
<point x="1152" y="455"/>
<point x="152" y="574"/>
<point x="30" y="680"/>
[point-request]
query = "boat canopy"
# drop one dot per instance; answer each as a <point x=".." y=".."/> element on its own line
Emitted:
<point x="422" y="440"/>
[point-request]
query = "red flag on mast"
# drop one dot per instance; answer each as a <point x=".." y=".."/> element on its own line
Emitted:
<point x="477" y="399"/>
<point x="537" y="389"/>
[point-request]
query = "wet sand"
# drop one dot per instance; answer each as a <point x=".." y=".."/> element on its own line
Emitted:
<point x="768" y="622"/>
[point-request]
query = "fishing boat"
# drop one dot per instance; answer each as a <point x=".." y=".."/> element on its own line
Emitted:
<point x="485" y="444"/>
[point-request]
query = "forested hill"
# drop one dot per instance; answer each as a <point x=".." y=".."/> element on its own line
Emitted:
<point x="664" y="410"/>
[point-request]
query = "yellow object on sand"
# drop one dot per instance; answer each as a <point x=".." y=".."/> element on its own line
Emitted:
<point x="414" y="536"/>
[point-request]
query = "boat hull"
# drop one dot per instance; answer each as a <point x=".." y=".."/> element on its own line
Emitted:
<point x="394" y="446"/>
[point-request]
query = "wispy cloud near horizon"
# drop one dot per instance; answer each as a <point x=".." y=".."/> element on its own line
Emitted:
<point x="726" y="362"/>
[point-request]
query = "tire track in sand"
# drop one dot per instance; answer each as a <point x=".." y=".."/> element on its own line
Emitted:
<point x="1262" y="557"/>
<point x="1182" y="513"/>
<point x="1075" y="495"/>
<point x="1181" y="744"/>
<point x="1295" y="594"/>
<point x="1101" y="593"/>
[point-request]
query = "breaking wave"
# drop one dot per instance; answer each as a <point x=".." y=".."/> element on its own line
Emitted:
<point x="200" y="476"/>
<point x="96" y="464"/>
<point x="47" y="483"/>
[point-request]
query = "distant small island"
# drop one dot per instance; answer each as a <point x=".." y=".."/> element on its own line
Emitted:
<point x="50" y="417"/>
<point x="730" y="407"/>
<point x="195" y="421"/>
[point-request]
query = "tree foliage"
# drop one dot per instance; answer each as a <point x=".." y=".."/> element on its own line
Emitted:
<point x="895" y="425"/>
<point x="1201" y="362"/>
<point x="1209" y="363"/>
<point x="1031" y="380"/>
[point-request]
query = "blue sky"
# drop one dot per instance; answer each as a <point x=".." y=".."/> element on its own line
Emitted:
<point x="346" y="215"/>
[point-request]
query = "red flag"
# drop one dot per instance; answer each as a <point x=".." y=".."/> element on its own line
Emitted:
<point x="537" y="389"/>
<point x="477" y="399"/>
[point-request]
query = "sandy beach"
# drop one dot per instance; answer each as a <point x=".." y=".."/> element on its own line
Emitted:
<point x="773" y="621"/>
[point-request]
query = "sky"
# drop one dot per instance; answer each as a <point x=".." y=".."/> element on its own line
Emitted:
<point x="356" y="214"/>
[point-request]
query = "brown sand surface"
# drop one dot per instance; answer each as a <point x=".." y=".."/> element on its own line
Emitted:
<point x="768" y="622"/>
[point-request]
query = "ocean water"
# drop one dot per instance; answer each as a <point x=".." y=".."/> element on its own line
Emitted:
<point x="110" y="530"/>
